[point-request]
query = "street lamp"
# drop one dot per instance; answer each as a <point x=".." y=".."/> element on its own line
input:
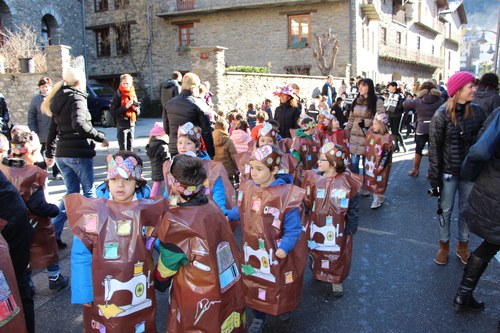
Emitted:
<point x="495" y="50"/>
<point x="491" y="50"/>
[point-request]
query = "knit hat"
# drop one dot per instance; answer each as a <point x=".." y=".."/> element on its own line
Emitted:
<point x="269" y="155"/>
<point x="457" y="81"/>
<point x="157" y="129"/>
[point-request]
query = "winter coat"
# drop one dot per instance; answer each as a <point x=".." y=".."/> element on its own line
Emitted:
<point x="287" y="118"/>
<point x="71" y="128"/>
<point x="224" y="151"/>
<point x="425" y="104"/>
<point x="483" y="207"/>
<point x="487" y="99"/>
<point x="449" y="144"/>
<point x="118" y="111"/>
<point x="168" y="90"/>
<point x="357" y="134"/>
<point x="241" y="140"/>
<point x="186" y="108"/>
<point x="4" y="117"/>
<point x="157" y="151"/>
<point x="37" y="121"/>
<point x="395" y="104"/>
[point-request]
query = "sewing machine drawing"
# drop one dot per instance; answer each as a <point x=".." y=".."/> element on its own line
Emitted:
<point x="370" y="167"/>
<point x="137" y="286"/>
<point x="330" y="232"/>
<point x="265" y="259"/>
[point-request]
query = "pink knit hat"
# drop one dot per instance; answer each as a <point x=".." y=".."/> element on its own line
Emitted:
<point x="457" y="81"/>
<point x="157" y="129"/>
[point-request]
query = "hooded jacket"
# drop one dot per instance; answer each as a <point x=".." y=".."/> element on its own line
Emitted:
<point x="287" y="117"/>
<point x="71" y="128"/>
<point x="224" y="151"/>
<point x="241" y="139"/>
<point x="425" y="104"/>
<point x="487" y="99"/>
<point x="168" y="90"/>
<point x="157" y="151"/>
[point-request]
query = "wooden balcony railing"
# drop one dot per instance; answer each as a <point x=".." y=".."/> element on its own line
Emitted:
<point x="401" y="53"/>
<point x="186" y="5"/>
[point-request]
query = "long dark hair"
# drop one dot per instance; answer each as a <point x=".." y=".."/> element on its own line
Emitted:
<point x="372" y="96"/>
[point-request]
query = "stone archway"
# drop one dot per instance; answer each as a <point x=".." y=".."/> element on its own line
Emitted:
<point x="5" y="18"/>
<point x="49" y="26"/>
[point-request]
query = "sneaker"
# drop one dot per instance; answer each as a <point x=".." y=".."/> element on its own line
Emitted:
<point x="58" y="177"/>
<point x="376" y="203"/>
<point x="59" y="282"/>
<point x="61" y="245"/>
<point x="256" y="326"/>
<point x="285" y="316"/>
<point x="365" y="192"/>
<point x="381" y="198"/>
<point x="337" y="289"/>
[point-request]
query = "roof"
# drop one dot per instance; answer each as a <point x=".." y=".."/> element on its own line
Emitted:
<point x="457" y="6"/>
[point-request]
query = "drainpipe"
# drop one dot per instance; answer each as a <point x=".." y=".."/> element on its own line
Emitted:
<point x="351" y="27"/>
<point x="150" y="54"/>
<point x="84" y="37"/>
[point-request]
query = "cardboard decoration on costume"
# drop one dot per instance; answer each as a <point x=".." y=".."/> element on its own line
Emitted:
<point x="375" y="145"/>
<point x="27" y="180"/>
<point x="308" y="149"/>
<point x="329" y="247"/>
<point x="120" y="237"/>
<point x="272" y="285"/>
<point x="206" y="292"/>
<point x="11" y="308"/>
<point x="340" y="138"/>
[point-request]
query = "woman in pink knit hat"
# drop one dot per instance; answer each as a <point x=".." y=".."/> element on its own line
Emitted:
<point x="453" y="130"/>
<point x="157" y="151"/>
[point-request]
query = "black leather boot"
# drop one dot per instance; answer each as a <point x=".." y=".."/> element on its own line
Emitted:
<point x="395" y="141"/>
<point x="400" y="138"/>
<point x="464" y="300"/>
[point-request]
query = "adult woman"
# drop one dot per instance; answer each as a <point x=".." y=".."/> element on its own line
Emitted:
<point x="453" y="130"/>
<point x="487" y="93"/>
<point x="395" y="110"/>
<point x="74" y="149"/>
<point x="287" y="113"/>
<point x="428" y="100"/>
<point x="363" y="110"/>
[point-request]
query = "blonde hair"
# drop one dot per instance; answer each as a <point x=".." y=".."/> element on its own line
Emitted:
<point x="124" y="77"/>
<point x="190" y="81"/>
<point x="71" y="77"/>
<point x="383" y="126"/>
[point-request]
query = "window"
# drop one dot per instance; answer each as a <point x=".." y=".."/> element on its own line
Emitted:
<point x="298" y="70"/>
<point x="418" y="42"/>
<point x="398" y="37"/>
<point x="121" y="4"/>
<point x="299" y="31"/>
<point x="46" y="40"/>
<point x="449" y="60"/>
<point x="102" y="42"/>
<point x="432" y="49"/>
<point x="122" y="39"/>
<point x="384" y="36"/>
<point x="186" y="34"/>
<point x="100" y="5"/>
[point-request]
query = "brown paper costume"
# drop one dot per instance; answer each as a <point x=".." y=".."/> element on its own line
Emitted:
<point x="121" y="238"/>
<point x="327" y="198"/>
<point x="285" y="145"/>
<point x="27" y="180"/>
<point x="206" y="293"/>
<point x="375" y="145"/>
<point x="11" y="309"/>
<point x="272" y="285"/>
<point x="214" y="170"/>
<point x="308" y="149"/>
<point x="340" y="138"/>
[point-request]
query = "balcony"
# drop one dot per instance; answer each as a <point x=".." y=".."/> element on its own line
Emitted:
<point x="430" y="24"/>
<point x="371" y="8"/>
<point x="183" y="5"/>
<point x="400" y="53"/>
<point x="453" y="37"/>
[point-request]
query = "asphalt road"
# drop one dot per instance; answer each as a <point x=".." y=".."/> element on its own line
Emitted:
<point x="393" y="286"/>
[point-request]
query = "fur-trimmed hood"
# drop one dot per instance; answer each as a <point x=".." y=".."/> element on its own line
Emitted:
<point x="423" y="92"/>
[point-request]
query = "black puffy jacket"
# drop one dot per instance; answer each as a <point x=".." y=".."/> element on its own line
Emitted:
<point x="287" y="117"/>
<point x="71" y="129"/>
<point x="449" y="144"/>
<point x="157" y="151"/>
<point x="187" y="108"/>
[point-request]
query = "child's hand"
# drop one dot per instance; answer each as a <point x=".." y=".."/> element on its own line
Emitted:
<point x="88" y="305"/>
<point x="280" y="253"/>
<point x="129" y="104"/>
<point x="379" y="169"/>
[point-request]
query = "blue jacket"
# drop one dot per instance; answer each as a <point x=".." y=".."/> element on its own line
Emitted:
<point x="81" y="258"/>
<point x="292" y="225"/>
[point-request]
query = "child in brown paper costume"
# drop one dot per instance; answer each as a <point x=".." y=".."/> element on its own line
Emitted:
<point x="112" y="269"/>
<point x="305" y="146"/>
<point x="378" y="159"/>
<point x="199" y="258"/>
<point x="274" y="250"/>
<point x="332" y="202"/>
<point x="217" y="185"/>
<point x="30" y="181"/>
<point x="333" y="133"/>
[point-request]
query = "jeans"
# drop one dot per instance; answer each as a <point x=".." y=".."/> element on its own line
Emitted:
<point x="355" y="163"/>
<point x="76" y="171"/>
<point x="450" y="186"/>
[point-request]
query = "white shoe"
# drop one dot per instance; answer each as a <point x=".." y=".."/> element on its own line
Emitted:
<point x="337" y="289"/>
<point x="381" y="198"/>
<point x="365" y="192"/>
<point x="376" y="203"/>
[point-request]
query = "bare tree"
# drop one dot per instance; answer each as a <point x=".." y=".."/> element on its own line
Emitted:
<point x="23" y="42"/>
<point x="326" y="51"/>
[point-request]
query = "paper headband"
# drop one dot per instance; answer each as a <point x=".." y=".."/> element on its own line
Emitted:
<point x="187" y="191"/>
<point x="268" y="130"/>
<point x="124" y="168"/>
<point x="382" y="117"/>
<point x="189" y="129"/>
<point x="267" y="155"/>
<point x="26" y="147"/>
<point x="332" y="149"/>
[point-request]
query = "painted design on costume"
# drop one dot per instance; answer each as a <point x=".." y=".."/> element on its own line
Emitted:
<point x="378" y="149"/>
<point x="276" y="214"/>
<point x="330" y="234"/>
<point x="370" y="167"/>
<point x="228" y="270"/>
<point x="90" y="223"/>
<point x="137" y="286"/>
<point x="234" y="320"/>
<point x="202" y="307"/>
<point x="8" y="306"/>
<point x="265" y="259"/>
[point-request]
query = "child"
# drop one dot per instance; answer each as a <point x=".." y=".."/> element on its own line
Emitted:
<point x="157" y="151"/>
<point x="217" y="185"/>
<point x="332" y="201"/>
<point x="305" y="148"/>
<point x="241" y="136"/>
<point x="111" y="260"/>
<point x="199" y="256"/>
<point x="224" y="147"/>
<point x="251" y="116"/>
<point x="125" y="108"/>
<point x="30" y="180"/>
<point x="378" y="156"/>
<point x="274" y="255"/>
<point x="233" y="118"/>
<point x="261" y="119"/>
<point x="333" y="133"/>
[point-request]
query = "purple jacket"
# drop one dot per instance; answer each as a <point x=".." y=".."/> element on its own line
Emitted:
<point x="425" y="104"/>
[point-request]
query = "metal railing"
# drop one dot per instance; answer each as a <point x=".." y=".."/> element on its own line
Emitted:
<point x="186" y="5"/>
<point x="402" y="53"/>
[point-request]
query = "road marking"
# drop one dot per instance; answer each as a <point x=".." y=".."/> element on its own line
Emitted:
<point x="376" y="232"/>
<point x="498" y="256"/>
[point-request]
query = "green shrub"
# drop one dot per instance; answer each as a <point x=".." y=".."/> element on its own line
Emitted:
<point x="247" y="69"/>
<point x="151" y="108"/>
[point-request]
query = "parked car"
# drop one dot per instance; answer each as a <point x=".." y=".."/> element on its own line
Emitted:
<point x="99" y="102"/>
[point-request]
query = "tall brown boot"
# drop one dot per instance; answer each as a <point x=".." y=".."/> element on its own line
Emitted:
<point x="442" y="255"/>
<point x="463" y="252"/>
<point x="416" y="166"/>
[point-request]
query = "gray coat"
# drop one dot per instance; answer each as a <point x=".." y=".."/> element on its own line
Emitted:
<point x="488" y="100"/>
<point x="37" y="121"/>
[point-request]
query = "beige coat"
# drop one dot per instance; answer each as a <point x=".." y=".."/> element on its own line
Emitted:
<point x="356" y="134"/>
<point x="224" y="151"/>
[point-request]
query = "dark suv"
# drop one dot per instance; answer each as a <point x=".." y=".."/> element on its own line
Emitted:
<point x="99" y="102"/>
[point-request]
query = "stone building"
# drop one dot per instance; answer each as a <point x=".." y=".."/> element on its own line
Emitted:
<point x="56" y="22"/>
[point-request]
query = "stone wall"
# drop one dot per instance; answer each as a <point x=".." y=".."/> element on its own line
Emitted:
<point x="19" y="89"/>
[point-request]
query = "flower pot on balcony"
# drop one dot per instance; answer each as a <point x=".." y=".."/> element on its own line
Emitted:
<point x="27" y="65"/>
